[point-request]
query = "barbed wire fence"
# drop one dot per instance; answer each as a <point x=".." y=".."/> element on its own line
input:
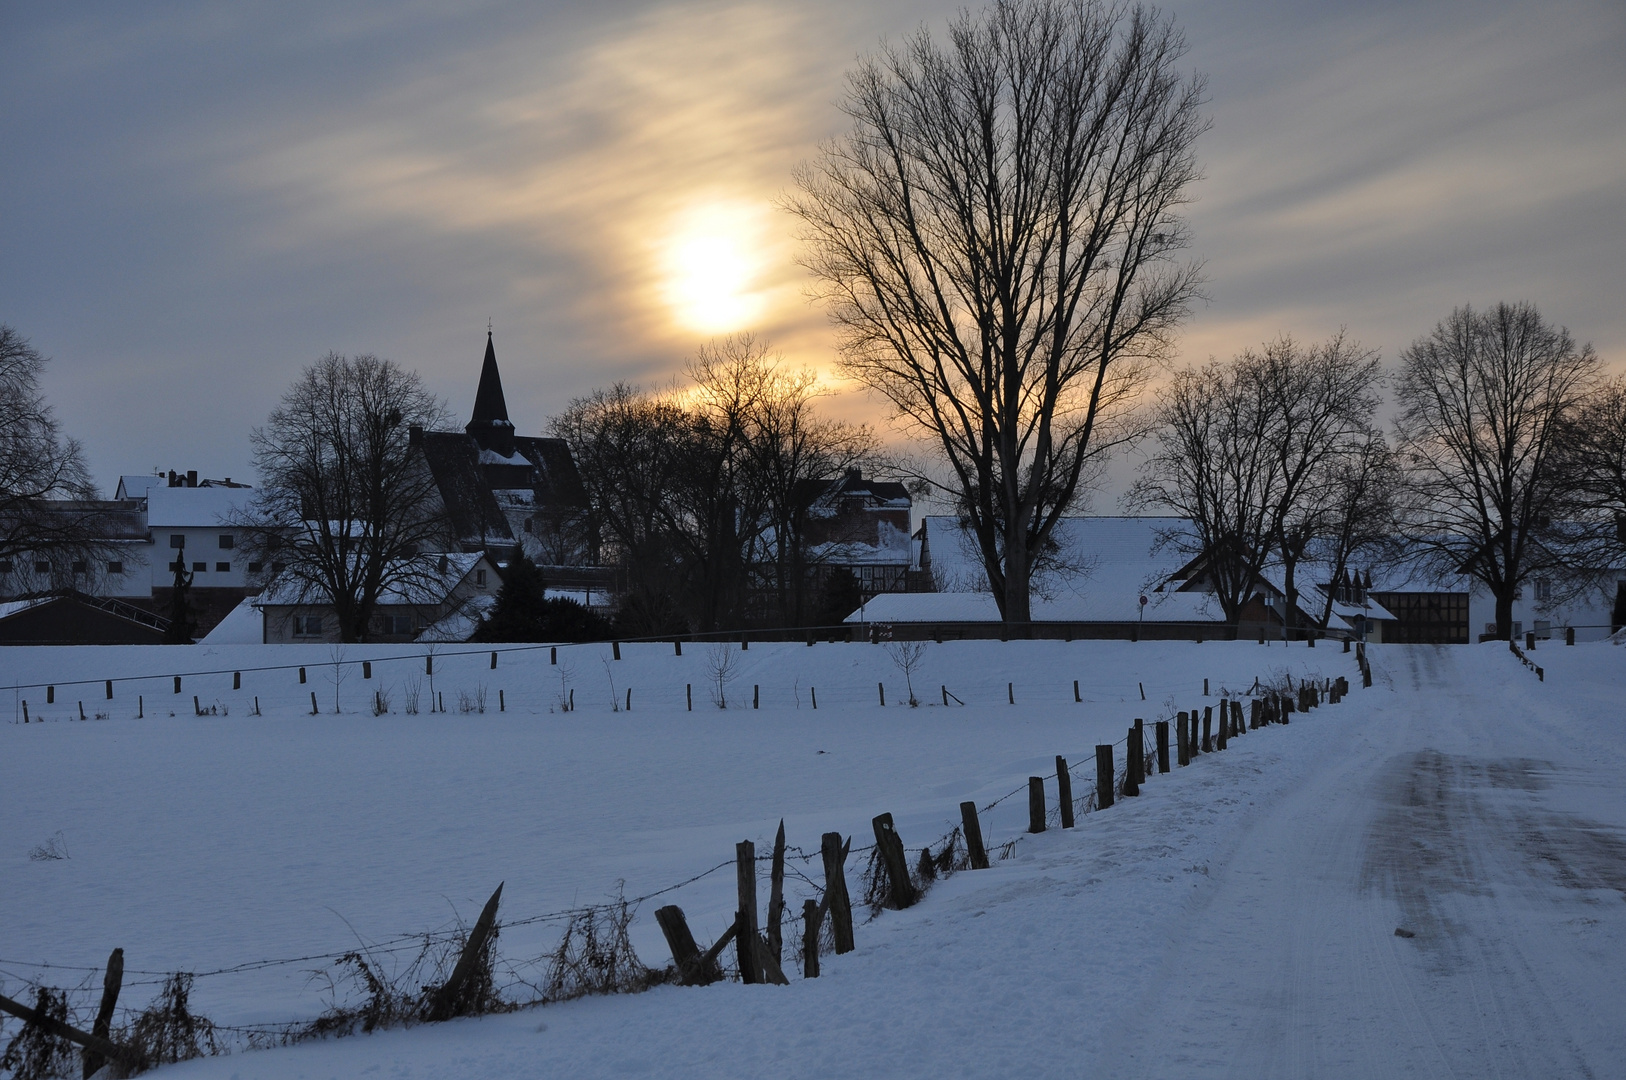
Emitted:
<point x="397" y="981"/>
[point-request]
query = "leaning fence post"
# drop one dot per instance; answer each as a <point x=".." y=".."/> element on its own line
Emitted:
<point x="835" y="889"/>
<point x="445" y="1004"/>
<point x="975" y="851"/>
<point x="103" y="1027"/>
<point x="691" y="969"/>
<point x="776" y="896"/>
<point x="890" y="846"/>
<point x="1035" y="804"/>
<point x="1104" y="776"/>
<point x="745" y="877"/>
<point x="239" y="679"/>
<point x="1064" y="792"/>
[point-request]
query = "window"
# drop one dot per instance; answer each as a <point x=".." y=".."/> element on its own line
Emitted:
<point x="398" y="625"/>
<point x="1544" y="591"/>
<point x="480" y="577"/>
<point x="200" y="567"/>
<point x="42" y="567"/>
<point x="79" y="566"/>
<point x="254" y="568"/>
<point x="176" y="565"/>
<point x="227" y="541"/>
<point x="307" y="626"/>
<point x="222" y="567"/>
<point x="530" y="525"/>
<point x="115" y="567"/>
<point x="1544" y="628"/>
<point x="177" y="540"/>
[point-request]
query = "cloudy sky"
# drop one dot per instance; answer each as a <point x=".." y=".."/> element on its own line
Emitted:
<point x="197" y="200"/>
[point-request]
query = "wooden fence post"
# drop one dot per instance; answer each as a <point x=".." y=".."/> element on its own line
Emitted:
<point x="301" y="676"/>
<point x="1162" y="746"/>
<point x="1010" y="692"/>
<point x="110" y="688"/>
<point x="103" y="1027"/>
<point x="776" y="896"/>
<point x="1075" y="692"/>
<point x="756" y="696"/>
<point x="1208" y="729"/>
<point x="197" y="710"/>
<point x="1131" y="781"/>
<point x="1064" y="792"/>
<point x="810" y="937"/>
<point x="1193" y="747"/>
<point x="445" y="1004"/>
<point x="366" y="669"/>
<point x="882" y="687"/>
<point x="688" y="694"/>
<point x="1035" y="804"/>
<point x="178" y="683"/>
<point x="502" y="705"/>
<point x="890" y="845"/>
<point x="493" y="662"/>
<point x="813" y="693"/>
<point x="1183" y="737"/>
<point x="692" y="971"/>
<point x="1224" y="725"/>
<point x="1205" y="688"/>
<point x="1104" y="776"/>
<point x="835" y="889"/>
<point x="615" y="649"/>
<point x="975" y="851"/>
<point x="745" y="941"/>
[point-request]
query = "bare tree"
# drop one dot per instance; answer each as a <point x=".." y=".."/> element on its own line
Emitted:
<point x="46" y="507"/>
<point x="996" y="239"/>
<point x="1212" y="465"/>
<point x="1323" y="398"/>
<point x="1252" y="452"/>
<point x="1360" y="513"/>
<point x="347" y="509"/>
<point x="1595" y="463"/>
<point x="1483" y="401"/>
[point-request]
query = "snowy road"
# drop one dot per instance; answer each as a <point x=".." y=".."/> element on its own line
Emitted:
<point x="1453" y="820"/>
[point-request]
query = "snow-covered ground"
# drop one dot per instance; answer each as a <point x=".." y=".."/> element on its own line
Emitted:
<point x="1236" y="920"/>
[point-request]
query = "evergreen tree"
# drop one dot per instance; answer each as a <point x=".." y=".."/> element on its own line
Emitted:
<point x="524" y="612"/>
<point x="517" y="615"/>
<point x="842" y="596"/>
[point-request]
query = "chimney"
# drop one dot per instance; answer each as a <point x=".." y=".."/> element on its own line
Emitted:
<point x="174" y="481"/>
<point x="191" y="478"/>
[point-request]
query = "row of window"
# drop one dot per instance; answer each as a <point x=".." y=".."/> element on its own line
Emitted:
<point x="202" y="567"/>
<point x="227" y="540"/>
<point x="310" y="626"/>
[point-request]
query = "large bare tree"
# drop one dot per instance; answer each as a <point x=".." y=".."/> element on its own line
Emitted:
<point x="347" y="510"/>
<point x="46" y="507"/>
<point x="996" y="240"/>
<point x="1484" y="400"/>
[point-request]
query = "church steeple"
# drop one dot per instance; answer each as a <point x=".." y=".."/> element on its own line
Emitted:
<point x="489" y="425"/>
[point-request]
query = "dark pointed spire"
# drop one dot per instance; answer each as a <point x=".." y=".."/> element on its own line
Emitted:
<point x="489" y="405"/>
<point x="490" y="425"/>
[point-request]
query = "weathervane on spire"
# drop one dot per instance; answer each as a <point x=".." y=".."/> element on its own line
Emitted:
<point x="488" y="326"/>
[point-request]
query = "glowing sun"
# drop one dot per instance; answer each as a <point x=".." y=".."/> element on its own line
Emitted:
<point x="712" y="267"/>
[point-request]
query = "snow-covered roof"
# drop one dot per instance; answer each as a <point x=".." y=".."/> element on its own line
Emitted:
<point x="980" y="607"/>
<point x="428" y="589"/>
<point x="1106" y="562"/>
<point x="461" y="624"/>
<point x="194" y="507"/>
<point x="243" y="625"/>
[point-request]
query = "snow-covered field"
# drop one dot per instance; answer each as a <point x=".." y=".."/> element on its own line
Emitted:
<point x="1236" y="920"/>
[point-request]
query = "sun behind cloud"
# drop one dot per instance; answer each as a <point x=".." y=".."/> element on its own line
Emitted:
<point x="712" y="267"/>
